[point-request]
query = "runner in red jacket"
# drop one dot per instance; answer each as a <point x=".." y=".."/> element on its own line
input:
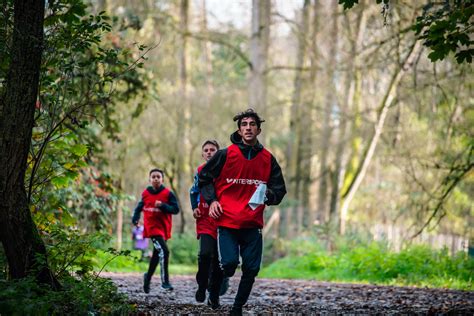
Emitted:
<point x="158" y="205"/>
<point x="237" y="183"/>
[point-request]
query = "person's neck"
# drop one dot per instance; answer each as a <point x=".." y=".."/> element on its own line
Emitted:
<point x="156" y="188"/>
<point x="250" y="144"/>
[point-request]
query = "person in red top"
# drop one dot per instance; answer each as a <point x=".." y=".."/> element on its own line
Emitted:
<point x="209" y="274"/>
<point x="237" y="183"/>
<point x="158" y="204"/>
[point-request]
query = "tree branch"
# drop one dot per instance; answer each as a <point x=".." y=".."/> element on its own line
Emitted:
<point x="236" y="50"/>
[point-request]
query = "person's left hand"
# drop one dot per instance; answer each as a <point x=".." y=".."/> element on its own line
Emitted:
<point x="196" y="213"/>
<point x="215" y="210"/>
<point x="158" y="203"/>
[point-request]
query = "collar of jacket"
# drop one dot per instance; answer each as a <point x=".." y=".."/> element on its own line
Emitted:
<point x="152" y="190"/>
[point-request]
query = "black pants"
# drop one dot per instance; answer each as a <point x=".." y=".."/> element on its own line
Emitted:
<point x="248" y="243"/>
<point x="161" y="255"/>
<point x="208" y="263"/>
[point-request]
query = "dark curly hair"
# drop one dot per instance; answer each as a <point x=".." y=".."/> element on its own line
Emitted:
<point x="248" y="113"/>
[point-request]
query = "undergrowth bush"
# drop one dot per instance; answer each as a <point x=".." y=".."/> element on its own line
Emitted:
<point x="184" y="248"/>
<point x="82" y="290"/>
<point x="132" y="263"/>
<point x="374" y="262"/>
<point x="89" y="295"/>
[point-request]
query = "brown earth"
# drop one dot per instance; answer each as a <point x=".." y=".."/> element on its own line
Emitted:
<point x="296" y="297"/>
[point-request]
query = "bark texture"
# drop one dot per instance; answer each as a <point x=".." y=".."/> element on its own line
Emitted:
<point x="25" y="251"/>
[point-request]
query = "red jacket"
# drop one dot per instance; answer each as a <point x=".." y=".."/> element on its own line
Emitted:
<point x="237" y="183"/>
<point x="156" y="222"/>
<point x="205" y="224"/>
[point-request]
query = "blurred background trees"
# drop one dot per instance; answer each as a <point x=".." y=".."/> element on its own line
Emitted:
<point x="368" y="129"/>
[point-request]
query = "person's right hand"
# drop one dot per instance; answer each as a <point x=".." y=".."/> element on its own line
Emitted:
<point x="215" y="210"/>
<point x="196" y="213"/>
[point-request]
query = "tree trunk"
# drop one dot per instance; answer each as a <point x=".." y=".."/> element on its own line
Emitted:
<point x="296" y="129"/>
<point x="120" y="224"/>
<point x="327" y="128"/>
<point x="259" y="42"/>
<point x="183" y="27"/>
<point x="206" y="54"/>
<point x="355" y="138"/>
<point x="308" y="119"/>
<point x="24" y="249"/>
<point x="122" y="156"/>
<point x="352" y="97"/>
<point x="370" y="150"/>
<point x="304" y="128"/>
<point x="183" y="110"/>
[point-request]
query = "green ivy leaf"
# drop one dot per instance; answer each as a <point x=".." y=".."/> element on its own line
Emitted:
<point x="61" y="182"/>
<point x="79" y="150"/>
<point x="464" y="56"/>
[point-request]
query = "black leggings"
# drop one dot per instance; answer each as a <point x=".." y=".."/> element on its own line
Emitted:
<point x="208" y="266"/>
<point x="161" y="254"/>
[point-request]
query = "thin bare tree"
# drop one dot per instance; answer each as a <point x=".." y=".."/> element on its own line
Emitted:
<point x="183" y="110"/>
<point x="258" y="51"/>
<point x="385" y="103"/>
<point x="352" y="96"/>
<point x="327" y="127"/>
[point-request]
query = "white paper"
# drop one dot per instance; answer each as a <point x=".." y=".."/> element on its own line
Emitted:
<point x="258" y="198"/>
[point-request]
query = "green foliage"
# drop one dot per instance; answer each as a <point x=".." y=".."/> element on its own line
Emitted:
<point x="91" y="295"/>
<point x="70" y="257"/>
<point x="447" y="163"/>
<point x="78" y="193"/>
<point x="373" y="262"/>
<point x="184" y="248"/>
<point x="446" y="28"/>
<point x="132" y="263"/>
<point x="443" y="26"/>
<point x="92" y="201"/>
<point x="183" y="256"/>
<point x="111" y="262"/>
<point x="348" y="4"/>
<point x="70" y="252"/>
<point x="60" y="163"/>
<point x="86" y="69"/>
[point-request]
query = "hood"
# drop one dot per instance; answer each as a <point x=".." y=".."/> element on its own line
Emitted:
<point x="152" y="190"/>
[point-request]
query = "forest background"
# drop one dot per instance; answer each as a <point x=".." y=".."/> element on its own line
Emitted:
<point x="368" y="109"/>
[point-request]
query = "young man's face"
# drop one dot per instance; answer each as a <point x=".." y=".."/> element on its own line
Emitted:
<point x="208" y="151"/>
<point x="156" y="179"/>
<point x="249" y="131"/>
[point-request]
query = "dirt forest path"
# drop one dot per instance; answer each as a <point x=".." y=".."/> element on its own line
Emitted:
<point x="296" y="297"/>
